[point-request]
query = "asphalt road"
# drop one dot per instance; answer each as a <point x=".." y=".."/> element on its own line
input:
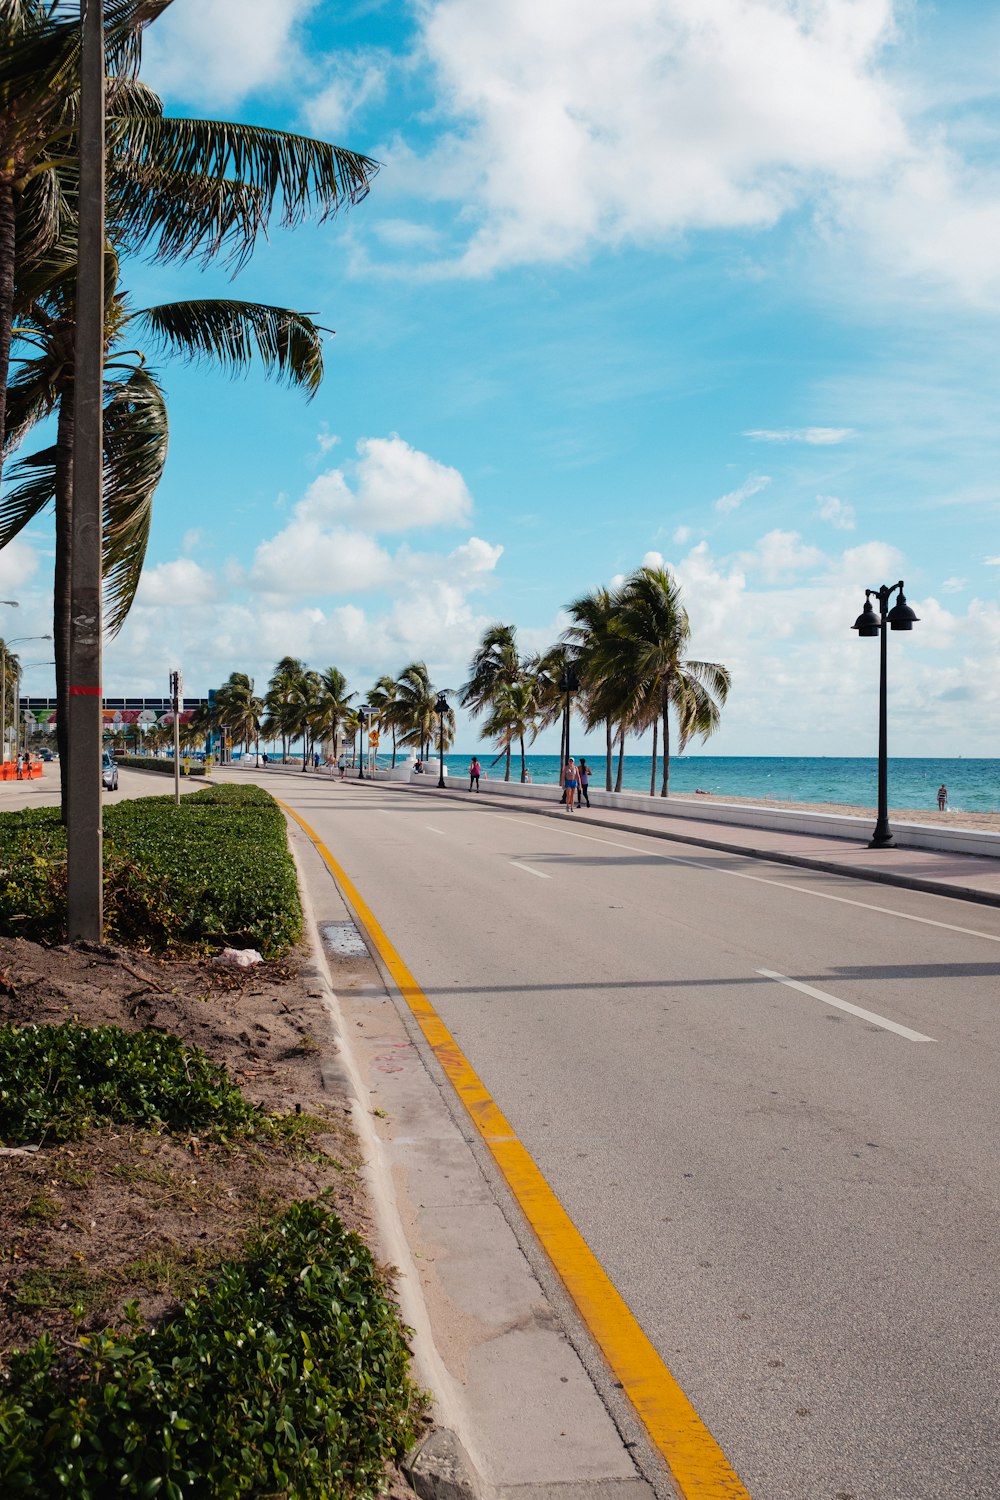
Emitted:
<point x="798" y="1202"/>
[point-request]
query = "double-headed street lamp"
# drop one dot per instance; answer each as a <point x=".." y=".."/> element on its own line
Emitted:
<point x="868" y="623"/>
<point x="569" y="683"/>
<point x="441" y="708"/>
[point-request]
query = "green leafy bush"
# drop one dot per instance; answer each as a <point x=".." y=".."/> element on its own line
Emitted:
<point x="287" y="1378"/>
<point x="57" y="1080"/>
<point x="156" y="763"/>
<point x="216" y="870"/>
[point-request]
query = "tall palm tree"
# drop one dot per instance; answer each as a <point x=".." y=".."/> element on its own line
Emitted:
<point x="494" y="669"/>
<point x="303" y="705"/>
<point x="413" y="709"/>
<point x="279" y="701"/>
<point x="332" y="711"/>
<point x="176" y="188"/>
<point x="382" y="697"/>
<point x="135" y="418"/>
<point x="643" y="651"/>
<point x="513" y="715"/>
<point x="10" y="675"/>
<point x="240" y="709"/>
<point x="592" y="619"/>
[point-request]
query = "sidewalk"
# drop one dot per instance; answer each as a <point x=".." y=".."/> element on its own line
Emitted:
<point x="966" y="877"/>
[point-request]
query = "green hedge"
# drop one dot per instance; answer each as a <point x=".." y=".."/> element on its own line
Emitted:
<point x="216" y="870"/>
<point x="155" y="763"/>
<point x="287" y="1377"/>
<point x="57" y="1080"/>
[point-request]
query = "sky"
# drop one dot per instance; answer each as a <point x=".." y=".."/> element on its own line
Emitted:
<point x="708" y="283"/>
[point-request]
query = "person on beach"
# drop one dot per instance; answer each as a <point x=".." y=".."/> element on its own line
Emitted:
<point x="942" y="798"/>
<point x="475" y="771"/>
<point x="584" y="770"/>
<point x="570" y="783"/>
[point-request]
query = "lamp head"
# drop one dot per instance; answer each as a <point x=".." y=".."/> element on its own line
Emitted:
<point x="901" y="616"/>
<point x="868" y="622"/>
<point x="441" y="706"/>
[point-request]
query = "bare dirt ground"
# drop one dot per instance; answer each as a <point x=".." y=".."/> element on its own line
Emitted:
<point x="128" y="1215"/>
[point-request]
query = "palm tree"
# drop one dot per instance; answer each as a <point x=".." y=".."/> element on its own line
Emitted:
<point x="413" y="710"/>
<point x="135" y="418"/>
<point x="240" y="709"/>
<point x="513" y="715"/>
<point x="303" y="705"/>
<point x="382" y="697"/>
<point x="10" y="675"/>
<point x="494" y="669"/>
<point x="278" y="700"/>
<point x="332" y="710"/>
<point x="592" y="618"/>
<point x="643" y="651"/>
<point x="176" y="188"/>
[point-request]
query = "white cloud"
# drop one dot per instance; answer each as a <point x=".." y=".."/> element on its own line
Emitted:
<point x="817" y="436"/>
<point x="953" y="585"/>
<point x="682" y="535"/>
<point x="305" y="558"/>
<point x="218" y="51"/>
<point x="578" y="123"/>
<point x="182" y="582"/>
<point x="396" y="488"/>
<point x="653" y="560"/>
<point x="735" y="498"/>
<point x="356" y="80"/>
<point x="836" y="512"/>
<point x="779" y="554"/>
<point x="992" y="562"/>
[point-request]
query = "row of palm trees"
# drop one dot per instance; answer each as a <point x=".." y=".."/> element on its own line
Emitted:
<point x="314" y="708"/>
<point x="621" y="667"/>
<point x="177" y="189"/>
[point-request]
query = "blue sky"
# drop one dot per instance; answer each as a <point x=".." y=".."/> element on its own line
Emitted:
<point x="709" y="281"/>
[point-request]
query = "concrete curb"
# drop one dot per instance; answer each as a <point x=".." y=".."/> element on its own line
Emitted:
<point x="438" y="1468"/>
<point x="772" y="856"/>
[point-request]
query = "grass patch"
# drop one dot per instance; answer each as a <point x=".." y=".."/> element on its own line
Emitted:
<point x="287" y="1376"/>
<point x="62" y="1287"/>
<point x="41" y="1209"/>
<point x="214" y="871"/>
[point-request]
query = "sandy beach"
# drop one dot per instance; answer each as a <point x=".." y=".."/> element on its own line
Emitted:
<point x="988" y="822"/>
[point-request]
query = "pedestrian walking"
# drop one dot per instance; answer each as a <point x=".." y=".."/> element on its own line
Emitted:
<point x="942" y="798"/>
<point x="315" y="760"/>
<point x="584" y="770"/>
<point x="475" y="771"/>
<point x="570" y="782"/>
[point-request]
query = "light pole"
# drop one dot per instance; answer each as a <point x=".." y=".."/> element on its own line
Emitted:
<point x="363" y="713"/>
<point x="441" y="708"/>
<point x="27" y="717"/>
<point x="568" y="684"/>
<point x="18" y="640"/>
<point x="900" y="617"/>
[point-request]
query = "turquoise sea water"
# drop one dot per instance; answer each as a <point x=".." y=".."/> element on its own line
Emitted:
<point x="973" y="785"/>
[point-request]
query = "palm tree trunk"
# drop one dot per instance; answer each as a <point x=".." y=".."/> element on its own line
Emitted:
<point x="621" y="758"/>
<point x="652" y="775"/>
<point x="7" y="246"/>
<point x="61" y="607"/>
<point x="394" y="746"/>
<point x="523" y="772"/>
<point x="665" y="788"/>
<point x="506" y="773"/>
<point x="607" y="755"/>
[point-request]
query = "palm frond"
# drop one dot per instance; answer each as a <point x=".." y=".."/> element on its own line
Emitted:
<point x="186" y="217"/>
<point x="30" y="398"/>
<point x="34" y="487"/>
<point x="135" y="449"/>
<point x="231" y="333"/>
<point x="294" y="176"/>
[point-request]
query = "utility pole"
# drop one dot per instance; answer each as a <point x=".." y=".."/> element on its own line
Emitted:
<point x="85" y="890"/>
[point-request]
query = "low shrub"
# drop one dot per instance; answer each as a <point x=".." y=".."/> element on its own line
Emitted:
<point x="55" y="1081"/>
<point x="214" y="871"/>
<point x="287" y="1377"/>
<point x="157" y="763"/>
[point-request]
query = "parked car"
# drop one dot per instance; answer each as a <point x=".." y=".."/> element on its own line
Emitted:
<point x="109" y="772"/>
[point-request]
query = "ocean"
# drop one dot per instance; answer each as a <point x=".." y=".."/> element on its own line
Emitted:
<point x="973" y="785"/>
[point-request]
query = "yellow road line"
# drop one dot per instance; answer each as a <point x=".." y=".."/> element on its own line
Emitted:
<point x="695" y="1459"/>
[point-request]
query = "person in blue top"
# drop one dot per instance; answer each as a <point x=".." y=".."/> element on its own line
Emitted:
<point x="571" y="781"/>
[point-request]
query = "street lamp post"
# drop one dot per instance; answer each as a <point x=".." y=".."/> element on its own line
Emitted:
<point x="363" y="713"/>
<point x="18" y="640"/>
<point x="569" y="682"/>
<point x="868" y="623"/>
<point x="441" y="708"/>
